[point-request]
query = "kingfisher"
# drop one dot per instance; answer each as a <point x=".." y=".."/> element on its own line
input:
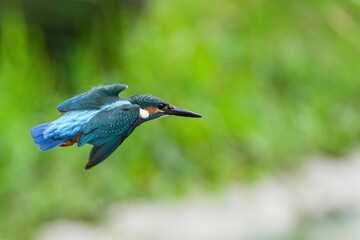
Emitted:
<point x="101" y="118"/>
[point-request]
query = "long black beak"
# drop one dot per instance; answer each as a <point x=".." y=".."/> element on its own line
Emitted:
<point x="181" y="112"/>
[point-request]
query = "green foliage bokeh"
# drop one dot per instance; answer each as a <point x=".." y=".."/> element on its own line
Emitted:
<point x="274" y="81"/>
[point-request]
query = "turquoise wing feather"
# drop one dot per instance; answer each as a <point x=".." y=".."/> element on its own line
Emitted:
<point x="93" y="99"/>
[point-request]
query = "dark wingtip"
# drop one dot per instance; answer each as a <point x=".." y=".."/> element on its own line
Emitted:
<point x="100" y="152"/>
<point x="92" y="164"/>
<point x="87" y="167"/>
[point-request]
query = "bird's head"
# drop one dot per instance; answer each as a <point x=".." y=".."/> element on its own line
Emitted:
<point x="153" y="107"/>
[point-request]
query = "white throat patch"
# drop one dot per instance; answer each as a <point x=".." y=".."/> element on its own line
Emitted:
<point x="143" y="113"/>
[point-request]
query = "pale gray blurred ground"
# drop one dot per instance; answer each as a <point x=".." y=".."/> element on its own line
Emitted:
<point x="321" y="201"/>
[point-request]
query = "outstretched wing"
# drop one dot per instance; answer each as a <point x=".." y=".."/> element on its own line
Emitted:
<point x="107" y="130"/>
<point x="93" y="99"/>
<point x="100" y="152"/>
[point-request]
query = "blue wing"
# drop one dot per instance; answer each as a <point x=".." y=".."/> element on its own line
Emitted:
<point x="93" y="99"/>
<point x="107" y="130"/>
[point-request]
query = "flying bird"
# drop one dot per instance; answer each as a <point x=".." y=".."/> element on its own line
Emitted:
<point x="101" y="118"/>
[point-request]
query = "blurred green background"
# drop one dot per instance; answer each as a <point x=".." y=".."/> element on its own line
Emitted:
<point x="275" y="81"/>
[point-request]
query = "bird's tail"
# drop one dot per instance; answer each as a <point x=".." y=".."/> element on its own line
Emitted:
<point x="37" y="133"/>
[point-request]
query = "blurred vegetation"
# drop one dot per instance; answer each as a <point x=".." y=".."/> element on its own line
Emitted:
<point x="274" y="81"/>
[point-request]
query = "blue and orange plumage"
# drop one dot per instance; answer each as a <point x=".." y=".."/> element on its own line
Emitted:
<point x="101" y="118"/>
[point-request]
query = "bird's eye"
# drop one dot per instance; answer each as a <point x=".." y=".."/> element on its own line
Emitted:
<point x="161" y="106"/>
